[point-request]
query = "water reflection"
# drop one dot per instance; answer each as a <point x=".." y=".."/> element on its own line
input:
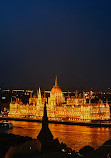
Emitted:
<point x="74" y="136"/>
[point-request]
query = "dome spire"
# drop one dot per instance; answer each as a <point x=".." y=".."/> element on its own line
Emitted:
<point x="56" y="81"/>
<point x="39" y="91"/>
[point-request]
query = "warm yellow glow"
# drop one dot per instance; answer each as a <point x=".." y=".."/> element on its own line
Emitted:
<point x="73" y="109"/>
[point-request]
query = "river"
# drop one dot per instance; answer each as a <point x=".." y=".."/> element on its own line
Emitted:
<point x="74" y="136"/>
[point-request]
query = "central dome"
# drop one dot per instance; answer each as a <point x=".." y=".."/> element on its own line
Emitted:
<point x="56" y="95"/>
<point x="56" y="88"/>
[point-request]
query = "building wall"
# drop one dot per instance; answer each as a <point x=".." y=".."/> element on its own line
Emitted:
<point x="85" y="112"/>
<point x="74" y="109"/>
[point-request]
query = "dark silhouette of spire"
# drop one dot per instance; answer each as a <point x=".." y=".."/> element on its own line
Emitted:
<point x="45" y="136"/>
<point x="45" y="121"/>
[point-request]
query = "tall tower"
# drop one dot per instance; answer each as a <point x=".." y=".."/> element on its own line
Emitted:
<point x="45" y="136"/>
<point x="56" y="95"/>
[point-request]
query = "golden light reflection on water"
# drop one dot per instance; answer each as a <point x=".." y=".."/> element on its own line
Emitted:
<point x="74" y="136"/>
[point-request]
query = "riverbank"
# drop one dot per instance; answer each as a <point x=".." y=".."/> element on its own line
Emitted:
<point x="98" y="124"/>
<point x="9" y="140"/>
<point x="15" y="146"/>
<point x="12" y="146"/>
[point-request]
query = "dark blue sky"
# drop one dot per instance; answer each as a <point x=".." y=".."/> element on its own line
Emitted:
<point x="42" y="39"/>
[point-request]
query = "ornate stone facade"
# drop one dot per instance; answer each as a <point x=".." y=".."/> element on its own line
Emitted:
<point x="72" y="109"/>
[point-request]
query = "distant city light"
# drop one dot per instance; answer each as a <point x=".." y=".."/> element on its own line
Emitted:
<point x="3" y="98"/>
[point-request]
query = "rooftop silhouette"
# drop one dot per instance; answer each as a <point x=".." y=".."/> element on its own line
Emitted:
<point x="45" y="136"/>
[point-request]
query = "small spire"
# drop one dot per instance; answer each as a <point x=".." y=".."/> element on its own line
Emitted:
<point x="39" y="91"/>
<point x="56" y="81"/>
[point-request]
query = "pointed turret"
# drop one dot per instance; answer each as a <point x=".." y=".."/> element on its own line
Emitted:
<point x="39" y="93"/>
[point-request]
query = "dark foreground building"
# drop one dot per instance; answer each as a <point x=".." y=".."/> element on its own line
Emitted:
<point x="45" y="136"/>
<point x="48" y="143"/>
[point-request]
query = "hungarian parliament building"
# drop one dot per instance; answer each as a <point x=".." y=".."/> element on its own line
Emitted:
<point x="59" y="108"/>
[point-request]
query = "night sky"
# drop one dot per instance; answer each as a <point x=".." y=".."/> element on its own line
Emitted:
<point x="40" y="39"/>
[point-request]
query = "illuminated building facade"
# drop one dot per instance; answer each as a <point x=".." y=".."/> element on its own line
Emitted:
<point x="72" y="108"/>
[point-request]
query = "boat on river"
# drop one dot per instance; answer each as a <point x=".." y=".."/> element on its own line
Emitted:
<point x="6" y="125"/>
